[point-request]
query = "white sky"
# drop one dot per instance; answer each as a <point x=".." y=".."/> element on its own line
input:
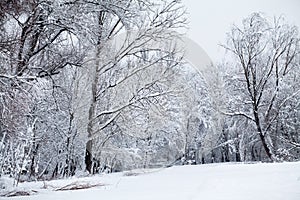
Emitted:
<point x="209" y="20"/>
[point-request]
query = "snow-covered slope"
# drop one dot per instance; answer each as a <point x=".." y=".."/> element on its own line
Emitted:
<point x="261" y="181"/>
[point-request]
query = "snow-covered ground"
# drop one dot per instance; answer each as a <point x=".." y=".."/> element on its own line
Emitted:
<point x="262" y="181"/>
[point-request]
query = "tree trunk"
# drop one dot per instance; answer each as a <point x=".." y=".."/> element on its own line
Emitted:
<point x="262" y="136"/>
<point x="92" y="110"/>
<point x="89" y="144"/>
<point x="89" y="157"/>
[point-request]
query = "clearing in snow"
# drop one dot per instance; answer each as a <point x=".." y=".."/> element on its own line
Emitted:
<point x="261" y="181"/>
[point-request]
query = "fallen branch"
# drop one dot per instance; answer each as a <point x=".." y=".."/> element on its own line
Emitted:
<point x="19" y="193"/>
<point x="79" y="186"/>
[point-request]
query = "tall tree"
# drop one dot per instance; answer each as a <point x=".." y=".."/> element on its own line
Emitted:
<point x="266" y="54"/>
<point x="127" y="71"/>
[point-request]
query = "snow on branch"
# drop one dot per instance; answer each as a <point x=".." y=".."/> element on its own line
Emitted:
<point x="238" y="114"/>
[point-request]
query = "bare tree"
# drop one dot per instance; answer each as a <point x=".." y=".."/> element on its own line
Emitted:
<point x="266" y="53"/>
<point x="111" y="81"/>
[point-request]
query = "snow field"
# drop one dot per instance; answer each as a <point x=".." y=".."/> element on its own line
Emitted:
<point x="262" y="181"/>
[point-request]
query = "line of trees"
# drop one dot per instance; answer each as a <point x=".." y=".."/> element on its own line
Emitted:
<point x="69" y="87"/>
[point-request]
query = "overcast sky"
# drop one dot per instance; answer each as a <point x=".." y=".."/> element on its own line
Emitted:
<point x="211" y="19"/>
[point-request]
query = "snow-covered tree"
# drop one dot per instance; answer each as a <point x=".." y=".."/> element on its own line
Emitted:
<point x="262" y="82"/>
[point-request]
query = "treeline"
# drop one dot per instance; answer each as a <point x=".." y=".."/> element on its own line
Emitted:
<point x="102" y="86"/>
